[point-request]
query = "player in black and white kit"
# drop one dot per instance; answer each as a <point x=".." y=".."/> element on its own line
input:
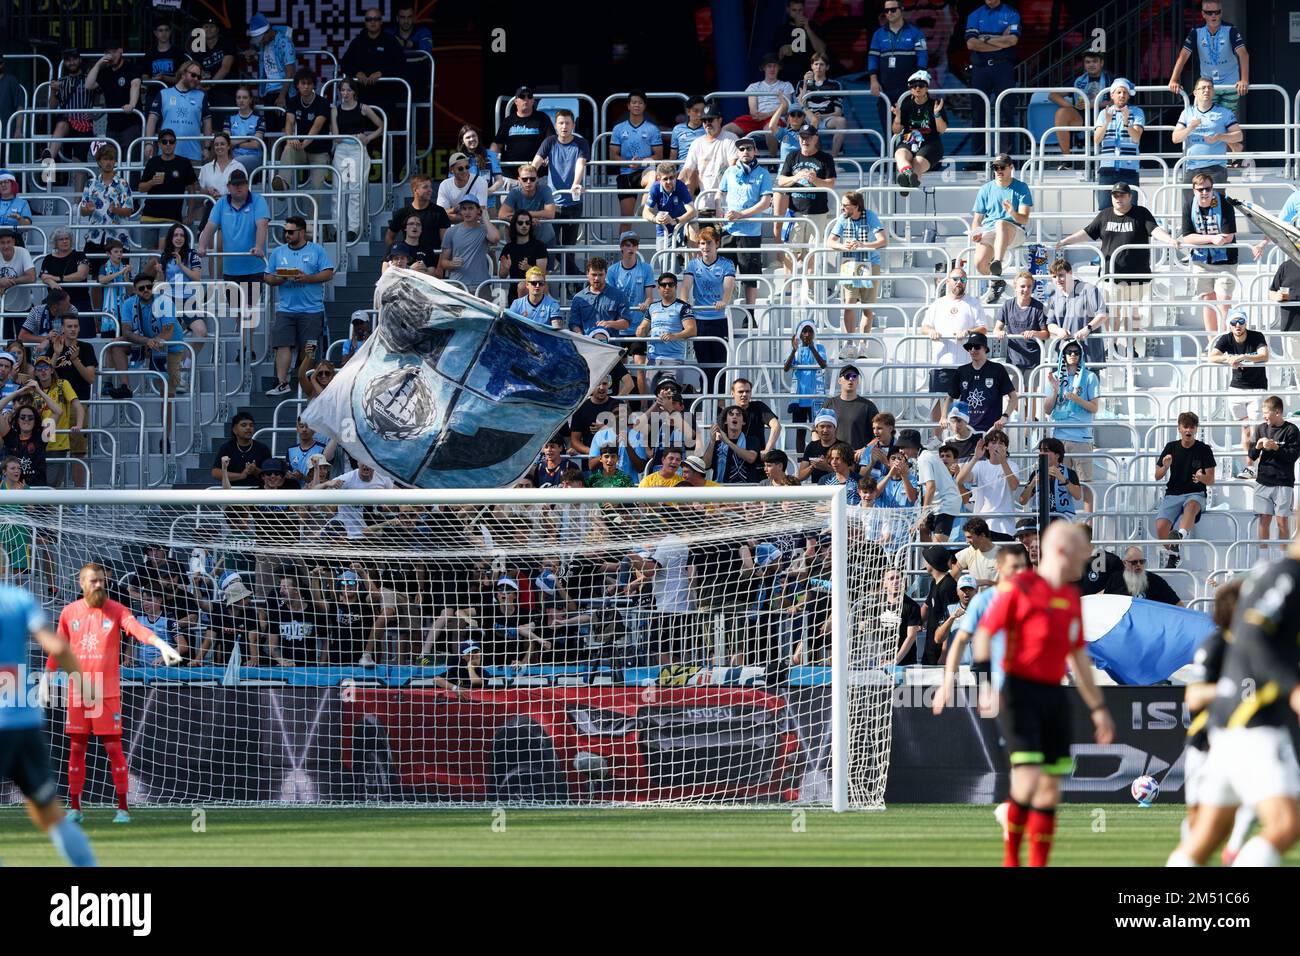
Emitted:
<point x="1252" y="760"/>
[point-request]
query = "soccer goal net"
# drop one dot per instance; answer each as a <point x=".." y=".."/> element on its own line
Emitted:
<point x="716" y="645"/>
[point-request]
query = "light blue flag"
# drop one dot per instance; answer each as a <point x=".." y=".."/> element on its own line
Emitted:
<point x="454" y="392"/>
<point x="1137" y="641"/>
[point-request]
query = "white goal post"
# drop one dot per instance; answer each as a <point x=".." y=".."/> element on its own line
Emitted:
<point x="679" y="646"/>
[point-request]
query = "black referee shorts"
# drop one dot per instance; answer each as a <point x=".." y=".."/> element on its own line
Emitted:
<point x="25" y="759"/>
<point x="1035" y="721"/>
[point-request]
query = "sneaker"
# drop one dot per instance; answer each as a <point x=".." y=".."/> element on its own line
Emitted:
<point x="914" y="179"/>
<point x="76" y="816"/>
<point x="904" y="181"/>
<point x="1170" y="555"/>
<point x="279" y="388"/>
<point x="278" y="184"/>
<point x="1064" y="167"/>
<point x="119" y="392"/>
<point x="1247" y="472"/>
<point x="994" y="295"/>
<point x="995" y="267"/>
<point x="864" y="349"/>
<point x="122" y="817"/>
<point x="366" y="661"/>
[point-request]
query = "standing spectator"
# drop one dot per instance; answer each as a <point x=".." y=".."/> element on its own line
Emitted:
<point x="422" y="253"/>
<point x="482" y="161"/>
<point x="296" y="620"/>
<point x="183" y="109"/>
<point x="460" y="185"/>
<point x="784" y="125"/>
<point x="1022" y="321"/>
<point x="247" y="129"/>
<point x="374" y="59"/>
<point x="1284" y="290"/>
<point x="638" y="144"/>
<point x="565" y="155"/>
<point x="522" y="253"/>
<point x="1118" y="138"/>
<point x="608" y="474"/>
<point x="591" y="416"/>
<point x="734" y="459"/>
<point x="669" y="322"/>
<point x="1189" y="464"/>
<point x="242" y="218"/>
<point x="815" y="92"/>
<point x="949" y="321"/>
<point x="853" y="413"/>
<point x="896" y="489"/>
<point x="351" y="518"/>
<point x="432" y="216"/>
<point x="840" y="459"/>
<point x="1208" y="130"/>
<point x="747" y="192"/>
<point x="115" y="276"/>
<point x="1125" y="229"/>
<point x="859" y="235"/>
<point x="1072" y="401"/>
<point x="1075" y="310"/>
<point x="919" y="124"/>
<point x="106" y="205"/>
<point x="300" y="270"/>
<point x="1064" y="490"/>
<point x="991" y="479"/>
<point x="531" y="196"/>
<point x="277" y="60"/>
<point x="465" y="256"/>
<point x="762" y="426"/>
<point x="1245" y="351"/>
<point x="897" y="51"/>
<point x="1210" y="224"/>
<point x="939" y="496"/>
<point x="15" y="211"/>
<point x="942" y="604"/>
<point x="959" y="436"/>
<point x="688" y="132"/>
<point x="632" y="275"/>
<point x="522" y="132"/>
<point x="1101" y="565"/>
<point x="217" y="60"/>
<point x="75" y="363"/>
<point x="1135" y="581"/>
<point x="118" y="81"/>
<point x="709" y="283"/>
<point x="351" y="117"/>
<point x="599" y="305"/>
<point x="69" y="95"/>
<point x="983" y="385"/>
<point x="1001" y="215"/>
<point x="1273" y="457"/>
<point x="299" y="456"/>
<point x="13" y="97"/>
<point x="795" y="42"/>
<point x="16" y="270"/>
<point x="549" y="472"/>
<point x="163" y="59"/>
<point x="992" y="33"/>
<point x="764" y="100"/>
<point x="66" y="265"/>
<point x="62" y="418"/>
<point x="1221" y="55"/>
<point x="807" y="361"/>
<point x="167" y="174"/>
<point x="1069" y="112"/>
<point x="875" y="455"/>
<point x="707" y="159"/>
<point x="306" y="114"/>
<point x="806" y="177"/>
<point x="668" y="204"/>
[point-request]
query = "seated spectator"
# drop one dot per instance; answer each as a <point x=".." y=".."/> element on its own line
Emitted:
<point x="632" y="276"/>
<point x="940" y="499"/>
<point x="608" y="474"/>
<point x="465" y="258"/>
<point x="875" y="454"/>
<point x="669" y="206"/>
<point x="919" y="124"/>
<point x="859" y="235"/>
<point x="638" y="144"/>
<point x="522" y="253"/>
<point x="144" y="325"/>
<point x="763" y="100"/>
<point x="940" y="601"/>
<point x="351" y="518"/>
<point x="1063" y="490"/>
<point x="667" y="476"/>
<point x="16" y="269"/>
<point x="949" y="322"/>
<point x="1245" y="351"/>
<point x="1209" y="225"/>
<point x="1101" y="565"/>
<point x="247" y="130"/>
<point x="67" y="265"/>
<point x="985" y="387"/>
<point x="1075" y="310"/>
<point x="762" y="425"/>
<point x="482" y="161"/>
<point x="464" y="672"/>
<point x="959" y="433"/>
<point x="1136" y="581"/>
<point x="461" y="185"/>
<point x="418" y="247"/>
<point x="45" y="320"/>
<point x="241" y="453"/>
<point x="812" y="462"/>
<point x="784" y="127"/>
<point x="69" y="94"/>
<point x="729" y="454"/>
<point x="949" y="627"/>
<point x="1027" y="538"/>
<point x="151" y="613"/>
<point x="595" y="413"/>
<point x="549" y="472"/>
<point x="814" y="93"/>
<point x="22" y="434"/>
<point x="1073" y="397"/>
<point x="668" y="324"/>
<point x="314" y="376"/>
<point x="695" y="473"/>
<point x="536" y="304"/>
<point x="991" y="478"/>
<point x="309" y="446"/>
<point x="1022" y="321"/>
<point x="358" y="333"/>
<point x="1001" y="217"/>
<point x="1069" y="112"/>
<point x="118" y="81"/>
<point x="1206" y="130"/>
<point x="807" y="363"/>
<point x="840" y="459"/>
<point x="1272" y="460"/>
<point x="535" y="197"/>
<point x="652" y="432"/>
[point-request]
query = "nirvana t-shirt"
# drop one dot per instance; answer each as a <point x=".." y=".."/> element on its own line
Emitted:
<point x="1247" y="374"/>
<point x="1114" y="230"/>
<point x="1186" y="462"/>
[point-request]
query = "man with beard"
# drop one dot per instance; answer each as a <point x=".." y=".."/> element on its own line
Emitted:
<point x="1137" y="582"/>
<point x="94" y="626"/>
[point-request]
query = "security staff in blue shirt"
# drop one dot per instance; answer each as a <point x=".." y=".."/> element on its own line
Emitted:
<point x="992" y="33"/>
<point x="897" y="51"/>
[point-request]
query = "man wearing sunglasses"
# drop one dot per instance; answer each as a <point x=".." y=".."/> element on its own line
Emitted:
<point x="522" y="131"/>
<point x="184" y="110"/>
<point x="167" y="174"/>
<point x="1220" y="54"/>
<point x="537" y="305"/>
<point x="460" y="185"/>
<point x="1001" y="216"/>
<point x="1136" y="581"/>
<point x="300" y="270"/>
<point x="531" y="195"/>
<point x="897" y="51"/>
<point x="1245" y="351"/>
<point x="1210" y="228"/>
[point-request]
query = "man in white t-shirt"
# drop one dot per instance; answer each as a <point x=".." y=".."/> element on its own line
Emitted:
<point x="765" y="98"/>
<point x="707" y="159"/>
<point x="949" y="321"/>
<point x="459" y="185"/>
<point x="991" y="479"/>
<point x="16" y="269"/>
<point x="362" y="478"/>
<point x="939" y="495"/>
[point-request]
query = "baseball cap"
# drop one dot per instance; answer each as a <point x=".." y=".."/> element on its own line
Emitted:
<point x="455" y="158"/>
<point x="359" y="316"/>
<point x="43" y="360"/>
<point x="711" y="112"/>
<point x="600" y="334"/>
<point x="746" y="141"/>
<point x="967" y="581"/>
<point x="348" y="577"/>
<point x="273" y="465"/>
<point x="524" y="93"/>
<point x="507" y="582"/>
<point x="1122" y="188"/>
<point x="937" y="557"/>
<point x="237" y="176"/>
<point x="629" y="235"/>
<point x="920" y="76"/>
<point x="401" y="249"/>
<point x="257" y="25"/>
<point x="769" y="58"/>
<point x="827" y="415"/>
<point x="794" y="108"/>
<point x="766" y="553"/>
<point x="807" y="129"/>
<point x="976" y="340"/>
<point x="468" y="648"/>
<point x="1025" y="525"/>
<point x="908" y="438"/>
<point x="850" y="368"/>
<point x="960" y="410"/>
<point x="469" y="200"/>
<point x="696" y="464"/>
<point x="8" y="357"/>
<point x="1003" y="159"/>
<point x="545" y="582"/>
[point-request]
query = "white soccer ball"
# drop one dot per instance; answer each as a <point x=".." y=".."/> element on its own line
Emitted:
<point x="1145" y="789"/>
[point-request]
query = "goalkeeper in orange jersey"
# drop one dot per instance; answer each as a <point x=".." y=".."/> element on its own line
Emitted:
<point x="93" y="627"/>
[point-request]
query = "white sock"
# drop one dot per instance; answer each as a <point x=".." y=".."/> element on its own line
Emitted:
<point x="1185" y="829"/>
<point x="1179" y="858"/>
<point x="1241" y="828"/>
<point x="1182" y="532"/>
<point x="1258" y="852"/>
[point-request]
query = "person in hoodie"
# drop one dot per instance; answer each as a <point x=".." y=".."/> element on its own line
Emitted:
<point x="374" y="59"/>
<point x="15" y="211"/>
<point x="1072" y="402"/>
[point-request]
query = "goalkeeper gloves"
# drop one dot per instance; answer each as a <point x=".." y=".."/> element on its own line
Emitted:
<point x="170" y="655"/>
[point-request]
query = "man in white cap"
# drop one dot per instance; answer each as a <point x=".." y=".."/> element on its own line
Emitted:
<point x="459" y="185"/>
<point x="695" y="473"/>
<point x="1245" y="351"/>
<point x="919" y="123"/>
<point x="813" y="465"/>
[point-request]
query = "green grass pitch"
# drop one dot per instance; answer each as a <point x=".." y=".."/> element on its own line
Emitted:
<point x="913" y="835"/>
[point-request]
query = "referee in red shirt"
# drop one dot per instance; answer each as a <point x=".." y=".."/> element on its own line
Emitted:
<point x="1041" y="616"/>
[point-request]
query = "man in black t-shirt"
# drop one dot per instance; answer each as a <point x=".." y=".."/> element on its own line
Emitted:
<point x="940" y="601"/>
<point x="1273" y="457"/>
<point x="762" y="426"/>
<point x="433" y="217"/>
<point x="217" y="60"/>
<point x="74" y="360"/>
<point x="1244" y="351"/>
<point x="166" y="174"/>
<point x="245" y="454"/>
<point x="921" y="123"/>
<point x="984" y="386"/>
<point x="306" y="114"/>
<point x="809" y="166"/>
<point x="118" y="80"/>
<point x="522" y="131"/>
<point x="355" y="610"/>
<point x="232" y="620"/>
<point x="813" y="466"/>
<point x="1285" y="290"/>
<point x="586" y="420"/>
<point x="296" y="625"/>
<point x="1189" y="465"/>
<point x="853" y="413"/>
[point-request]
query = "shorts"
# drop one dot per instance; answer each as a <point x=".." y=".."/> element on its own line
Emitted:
<point x="748" y="124"/>
<point x="851" y="294"/>
<point x="931" y="151"/>
<point x="78" y="444"/>
<point x="803" y="233"/>
<point x="941" y="380"/>
<point x="104" y="720"/>
<point x="1171" y="506"/>
<point x="747" y="263"/>
<point x="938" y="523"/>
<point x="631" y="182"/>
<point x="1193" y="766"/>
<point x="1247" y="765"/>
<point x="1035" y="721"/>
<point x="74" y="151"/>
<point x="633" y="348"/>
<point x="171" y="366"/>
<point x="1247" y="406"/>
<point x="1229" y="100"/>
<point x="25" y="759"/>
<point x="1084" y="466"/>
<point x="296" y="329"/>
<point x="1274" y="500"/>
<point x="988" y="230"/>
<point x="1219" y="279"/>
<point x="1128" y="293"/>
